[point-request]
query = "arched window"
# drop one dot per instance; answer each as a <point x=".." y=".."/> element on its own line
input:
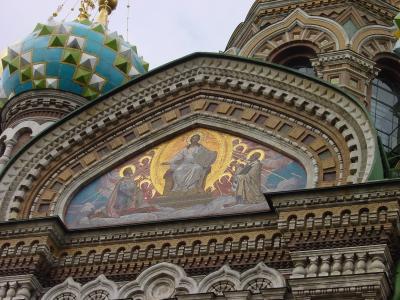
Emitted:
<point x="327" y="219"/>
<point x="364" y="216"/>
<point x="310" y="221"/>
<point x="90" y="257"/>
<point x="196" y="247"/>
<point x="385" y="106"/>
<point x="297" y="57"/>
<point x="228" y="245"/>
<point x="382" y="214"/>
<point x="345" y="217"/>
<point x="292" y="220"/>
<point x="150" y="251"/>
<point x="244" y="243"/>
<point x="260" y="242"/>
<point x="277" y="241"/>
<point x="181" y="249"/>
<point x="135" y="252"/>
<point x="120" y="254"/>
<point x="165" y="250"/>
<point x="212" y="246"/>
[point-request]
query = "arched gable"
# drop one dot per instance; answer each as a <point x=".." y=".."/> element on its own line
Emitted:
<point x="231" y="94"/>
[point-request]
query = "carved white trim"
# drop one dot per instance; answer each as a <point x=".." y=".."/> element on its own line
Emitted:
<point x="222" y="275"/>
<point x="261" y="271"/>
<point x="68" y="286"/>
<point x="103" y="284"/>
<point x="163" y="277"/>
<point x="35" y="127"/>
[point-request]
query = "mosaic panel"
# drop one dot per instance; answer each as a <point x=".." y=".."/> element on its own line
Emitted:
<point x="199" y="173"/>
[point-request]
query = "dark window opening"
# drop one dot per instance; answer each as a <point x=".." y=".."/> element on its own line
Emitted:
<point x="297" y="57"/>
<point x="385" y="110"/>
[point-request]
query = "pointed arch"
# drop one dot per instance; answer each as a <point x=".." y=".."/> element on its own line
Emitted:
<point x="332" y="30"/>
<point x="224" y="274"/>
<point x="100" y="284"/>
<point x="372" y="40"/>
<point x="166" y="275"/>
<point x="68" y="286"/>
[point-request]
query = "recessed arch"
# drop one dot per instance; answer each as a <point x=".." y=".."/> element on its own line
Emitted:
<point x="372" y="40"/>
<point x="194" y="123"/>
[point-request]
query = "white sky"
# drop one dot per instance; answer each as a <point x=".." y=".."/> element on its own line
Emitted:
<point x="162" y="30"/>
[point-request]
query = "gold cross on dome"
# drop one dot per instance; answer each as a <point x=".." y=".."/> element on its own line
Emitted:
<point x="86" y="7"/>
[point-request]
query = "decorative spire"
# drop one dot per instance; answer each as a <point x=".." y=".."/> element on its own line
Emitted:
<point x="86" y="6"/>
<point x="105" y="9"/>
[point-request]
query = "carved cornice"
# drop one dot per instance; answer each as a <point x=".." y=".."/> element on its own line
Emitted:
<point x="378" y="191"/>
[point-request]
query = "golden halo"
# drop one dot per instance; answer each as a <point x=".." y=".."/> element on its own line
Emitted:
<point x="192" y="134"/>
<point x="121" y="171"/>
<point x="262" y="154"/>
<point x="216" y="141"/>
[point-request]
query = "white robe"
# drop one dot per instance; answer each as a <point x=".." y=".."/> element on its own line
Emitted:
<point x="190" y="166"/>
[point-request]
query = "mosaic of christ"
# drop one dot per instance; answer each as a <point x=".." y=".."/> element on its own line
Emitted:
<point x="199" y="173"/>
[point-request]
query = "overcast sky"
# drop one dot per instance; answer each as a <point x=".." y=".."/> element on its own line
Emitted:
<point x="162" y="30"/>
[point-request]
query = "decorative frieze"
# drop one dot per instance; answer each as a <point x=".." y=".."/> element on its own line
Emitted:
<point x="166" y="280"/>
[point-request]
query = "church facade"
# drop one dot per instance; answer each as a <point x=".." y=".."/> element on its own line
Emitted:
<point x="267" y="172"/>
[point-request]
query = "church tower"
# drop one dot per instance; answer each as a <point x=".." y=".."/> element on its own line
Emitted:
<point x="267" y="172"/>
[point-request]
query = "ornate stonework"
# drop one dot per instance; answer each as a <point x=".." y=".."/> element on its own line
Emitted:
<point x="144" y="193"/>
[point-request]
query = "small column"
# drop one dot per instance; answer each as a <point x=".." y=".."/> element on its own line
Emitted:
<point x="12" y="289"/>
<point x="361" y="264"/>
<point x="312" y="270"/>
<point x="299" y="271"/>
<point x="348" y="266"/>
<point x="5" y="158"/>
<point x="325" y="265"/>
<point x="24" y="291"/>
<point x="337" y="264"/>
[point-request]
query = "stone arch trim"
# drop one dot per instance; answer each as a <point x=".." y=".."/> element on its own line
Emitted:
<point x="241" y="280"/>
<point x="68" y="286"/>
<point x="101" y="283"/>
<point x="12" y="132"/>
<point x="298" y="18"/>
<point x="261" y="271"/>
<point x="224" y="274"/>
<point x="372" y="40"/>
<point x="282" y="96"/>
<point x="146" y="282"/>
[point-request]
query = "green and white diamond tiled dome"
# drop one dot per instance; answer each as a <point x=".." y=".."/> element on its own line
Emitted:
<point x="83" y="58"/>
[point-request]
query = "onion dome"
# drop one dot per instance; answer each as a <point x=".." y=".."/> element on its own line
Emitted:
<point x="80" y="57"/>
